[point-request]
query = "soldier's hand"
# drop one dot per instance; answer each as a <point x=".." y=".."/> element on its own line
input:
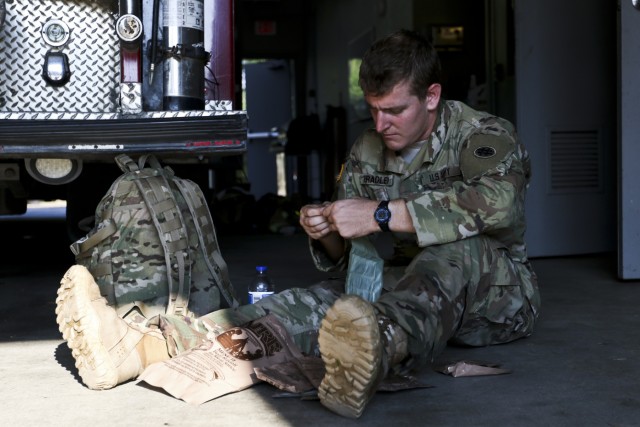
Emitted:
<point x="314" y="223"/>
<point x="352" y="218"/>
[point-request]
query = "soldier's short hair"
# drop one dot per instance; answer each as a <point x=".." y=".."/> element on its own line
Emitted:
<point x="401" y="56"/>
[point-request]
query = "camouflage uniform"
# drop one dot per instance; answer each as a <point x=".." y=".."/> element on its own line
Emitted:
<point x="464" y="275"/>
<point x="467" y="275"/>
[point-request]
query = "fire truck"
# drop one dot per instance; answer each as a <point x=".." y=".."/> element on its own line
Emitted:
<point x="82" y="81"/>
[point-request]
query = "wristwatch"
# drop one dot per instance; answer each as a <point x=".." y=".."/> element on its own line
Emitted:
<point x="382" y="215"/>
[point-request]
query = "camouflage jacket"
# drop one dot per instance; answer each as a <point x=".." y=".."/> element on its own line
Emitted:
<point x="469" y="178"/>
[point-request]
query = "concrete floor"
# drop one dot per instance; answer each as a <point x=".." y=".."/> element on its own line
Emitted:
<point x="580" y="368"/>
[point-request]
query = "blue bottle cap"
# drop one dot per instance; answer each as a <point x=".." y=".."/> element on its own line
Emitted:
<point x="261" y="268"/>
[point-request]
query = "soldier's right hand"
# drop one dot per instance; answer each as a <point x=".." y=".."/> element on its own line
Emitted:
<point x="314" y="223"/>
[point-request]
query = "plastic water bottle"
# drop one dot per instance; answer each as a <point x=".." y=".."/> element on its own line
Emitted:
<point x="261" y="286"/>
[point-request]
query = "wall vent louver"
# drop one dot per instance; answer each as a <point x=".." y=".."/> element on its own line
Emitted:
<point x="575" y="161"/>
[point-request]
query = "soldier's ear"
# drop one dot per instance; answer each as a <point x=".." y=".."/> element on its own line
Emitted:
<point x="433" y="96"/>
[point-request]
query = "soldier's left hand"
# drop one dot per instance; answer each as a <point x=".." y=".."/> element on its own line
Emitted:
<point x="352" y="218"/>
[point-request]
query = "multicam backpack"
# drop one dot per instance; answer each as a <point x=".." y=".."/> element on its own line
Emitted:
<point x="154" y="245"/>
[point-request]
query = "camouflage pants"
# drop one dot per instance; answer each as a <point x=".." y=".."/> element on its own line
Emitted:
<point x="300" y="310"/>
<point x="468" y="292"/>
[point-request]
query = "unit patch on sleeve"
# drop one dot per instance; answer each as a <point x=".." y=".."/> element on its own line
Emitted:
<point x="483" y="153"/>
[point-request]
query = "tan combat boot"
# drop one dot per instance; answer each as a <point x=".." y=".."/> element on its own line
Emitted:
<point x="357" y="347"/>
<point x="108" y="351"/>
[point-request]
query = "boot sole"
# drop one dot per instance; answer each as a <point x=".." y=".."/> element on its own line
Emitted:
<point x="351" y="351"/>
<point x="80" y="327"/>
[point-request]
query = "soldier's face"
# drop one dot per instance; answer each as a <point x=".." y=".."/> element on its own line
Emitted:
<point x="402" y="118"/>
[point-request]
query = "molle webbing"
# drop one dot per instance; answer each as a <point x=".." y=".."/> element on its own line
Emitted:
<point x="166" y="216"/>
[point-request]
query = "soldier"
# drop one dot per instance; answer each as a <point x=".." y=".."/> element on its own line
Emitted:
<point x="446" y="182"/>
<point x="449" y="184"/>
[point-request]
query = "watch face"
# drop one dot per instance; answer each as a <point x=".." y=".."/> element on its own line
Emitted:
<point x="382" y="215"/>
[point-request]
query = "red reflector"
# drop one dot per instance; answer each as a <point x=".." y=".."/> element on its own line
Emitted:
<point x="227" y="142"/>
<point x="217" y="143"/>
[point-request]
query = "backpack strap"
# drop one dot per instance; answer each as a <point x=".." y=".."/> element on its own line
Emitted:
<point x="207" y="238"/>
<point x="126" y="164"/>
<point x="167" y="218"/>
<point x="105" y="229"/>
<point x="153" y="161"/>
<point x="173" y="236"/>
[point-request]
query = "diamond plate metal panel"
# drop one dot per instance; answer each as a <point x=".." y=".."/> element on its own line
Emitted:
<point x="93" y="51"/>
<point x="131" y="98"/>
